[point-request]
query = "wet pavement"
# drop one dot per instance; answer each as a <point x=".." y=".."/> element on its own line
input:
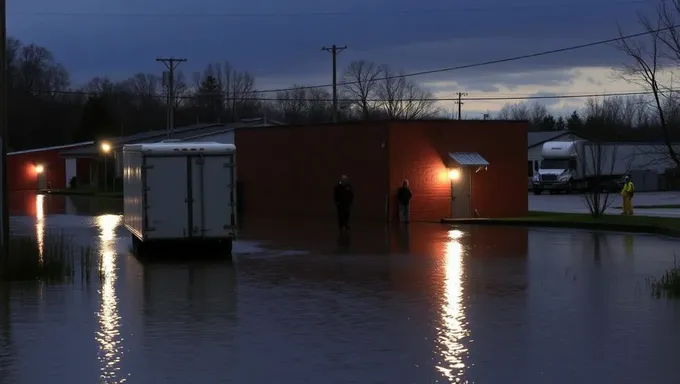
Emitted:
<point x="383" y="305"/>
<point x="576" y="203"/>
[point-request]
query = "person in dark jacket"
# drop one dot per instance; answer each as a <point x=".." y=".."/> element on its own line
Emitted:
<point x="343" y="195"/>
<point x="404" y="196"/>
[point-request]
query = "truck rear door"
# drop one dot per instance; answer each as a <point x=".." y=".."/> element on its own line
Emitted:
<point x="166" y="197"/>
<point x="213" y="184"/>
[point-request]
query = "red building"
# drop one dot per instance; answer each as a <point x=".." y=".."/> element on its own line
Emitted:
<point x="455" y="168"/>
<point x="42" y="168"/>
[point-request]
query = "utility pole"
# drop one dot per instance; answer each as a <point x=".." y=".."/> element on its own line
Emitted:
<point x="4" y="198"/>
<point x="334" y="50"/>
<point x="171" y="64"/>
<point x="460" y="103"/>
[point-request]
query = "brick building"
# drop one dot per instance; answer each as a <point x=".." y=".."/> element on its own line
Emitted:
<point x="42" y="168"/>
<point x="455" y="168"/>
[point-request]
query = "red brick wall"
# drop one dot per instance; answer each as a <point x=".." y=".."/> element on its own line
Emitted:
<point x="418" y="151"/>
<point x="291" y="170"/>
<point x="21" y="172"/>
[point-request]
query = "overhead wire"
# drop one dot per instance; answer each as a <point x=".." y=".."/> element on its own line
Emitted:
<point x="208" y="96"/>
<point x="382" y="11"/>
<point x="474" y="65"/>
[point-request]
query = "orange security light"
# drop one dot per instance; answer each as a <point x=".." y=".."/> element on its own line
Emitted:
<point x="105" y="147"/>
<point x="39" y="168"/>
<point x="454" y="174"/>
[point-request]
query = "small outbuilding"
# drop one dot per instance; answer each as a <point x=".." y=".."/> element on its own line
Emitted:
<point x="455" y="168"/>
<point x="42" y="168"/>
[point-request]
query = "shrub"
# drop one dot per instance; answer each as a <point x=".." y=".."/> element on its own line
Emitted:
<point x="55" y="262"/>
<point x="668" y="284"/>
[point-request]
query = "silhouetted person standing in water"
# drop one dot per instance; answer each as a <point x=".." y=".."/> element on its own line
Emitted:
<point x="343" y="195"/>
<point x="404" y="196"/>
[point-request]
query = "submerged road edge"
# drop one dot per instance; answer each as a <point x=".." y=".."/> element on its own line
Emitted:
<point x="563" y="223"/>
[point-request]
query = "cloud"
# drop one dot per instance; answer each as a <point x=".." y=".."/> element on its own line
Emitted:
<point x="280" y="42"/>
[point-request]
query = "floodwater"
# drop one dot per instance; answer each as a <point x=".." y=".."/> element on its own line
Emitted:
<point x="433" y="304"/>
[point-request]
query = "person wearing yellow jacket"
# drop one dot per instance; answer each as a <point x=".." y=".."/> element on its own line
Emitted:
<point x="627" y="193"/>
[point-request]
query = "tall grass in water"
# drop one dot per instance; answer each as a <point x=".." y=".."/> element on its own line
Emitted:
<point x="53" y="260"/>
<point x="668" y="285"/>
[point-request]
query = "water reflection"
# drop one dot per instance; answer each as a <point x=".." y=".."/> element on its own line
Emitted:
<point x="40" y="224"/>
<point x="454" y="325"/>
<point x="108" y="336"/>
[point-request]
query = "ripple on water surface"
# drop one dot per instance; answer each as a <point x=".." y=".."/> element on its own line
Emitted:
<point x="472" y="304"/>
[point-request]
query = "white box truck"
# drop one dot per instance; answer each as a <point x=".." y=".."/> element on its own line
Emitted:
<point x="580" y="165"/>
<point x="180" y="192"/>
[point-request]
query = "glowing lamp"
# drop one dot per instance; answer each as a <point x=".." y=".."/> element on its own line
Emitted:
<point x="454" y="174"/>
<point x="39" y="168"/>
<point x="105" y="147"/>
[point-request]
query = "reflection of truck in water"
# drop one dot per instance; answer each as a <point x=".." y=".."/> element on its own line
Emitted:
<point x="569" y="166"/>
<point x="175" y="294"/>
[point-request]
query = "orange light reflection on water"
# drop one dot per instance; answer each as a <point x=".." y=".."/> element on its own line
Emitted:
<point x="40" y="224"/>
<point x="454" y="325"/>
<point x="108" y="336"/>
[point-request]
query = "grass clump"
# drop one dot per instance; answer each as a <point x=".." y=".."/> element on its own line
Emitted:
<point x="51" y="260"/>
<point x="668" y="285"/>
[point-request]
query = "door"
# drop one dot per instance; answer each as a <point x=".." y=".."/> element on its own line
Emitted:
<point x="212" y="189"/>
<point x="42" y="180"/>
<point x="166" y="197"/>
<point x="460" y="195"/>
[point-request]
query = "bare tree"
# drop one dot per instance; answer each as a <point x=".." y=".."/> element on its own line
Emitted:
<point x="238" y="87"/>
<point x="401" y="98"/>
<point x="304" y="105"/>
<point x="364" y="79"/>
<point x="598" y="165"/>
<point x="516" y="111"/>
<point x="648" y="60"/>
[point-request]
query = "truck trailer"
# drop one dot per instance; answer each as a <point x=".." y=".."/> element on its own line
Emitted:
<point x="583" y="165"/>
<point x="180" y="193"/>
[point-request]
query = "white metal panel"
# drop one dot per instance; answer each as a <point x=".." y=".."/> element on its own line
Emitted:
<point x="213" y="196"/>
<point x="558" y="149"/>
<point x="176" y="148"/>
<point x="71" y="170"/>
<point x="133" y="193"/>
<point x="166" y="197"/>
<point x="226" y="137"/>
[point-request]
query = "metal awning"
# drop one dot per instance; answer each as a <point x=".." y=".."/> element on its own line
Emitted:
<point x="469" y="159"/>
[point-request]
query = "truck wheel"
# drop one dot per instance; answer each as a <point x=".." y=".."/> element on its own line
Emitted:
<point x="537" y="191"/>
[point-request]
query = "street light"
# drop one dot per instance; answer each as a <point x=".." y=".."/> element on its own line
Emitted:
<point x="39" y="168"/>
<point x="106" y="148"/>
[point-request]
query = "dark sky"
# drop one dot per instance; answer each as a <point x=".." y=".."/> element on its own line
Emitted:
<point x="280" y="41"/>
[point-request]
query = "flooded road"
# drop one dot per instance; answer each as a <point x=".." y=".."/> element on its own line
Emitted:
<point x="384" y="305"/>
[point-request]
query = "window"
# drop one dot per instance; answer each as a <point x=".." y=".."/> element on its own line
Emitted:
<point x="531" y="168"/>
<point x="556" y="164"/>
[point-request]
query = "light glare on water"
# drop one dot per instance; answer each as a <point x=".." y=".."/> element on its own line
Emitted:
<point x="453" y="329"/>
<point x="384" y="306"/>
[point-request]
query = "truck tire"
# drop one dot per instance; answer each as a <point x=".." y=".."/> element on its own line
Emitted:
<point x="537" y="191"/>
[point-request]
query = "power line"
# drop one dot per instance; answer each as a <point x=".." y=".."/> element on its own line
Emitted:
<point x="484" y="63"/>
<point x="453" y="98"/>
<point x="327" y="13"/>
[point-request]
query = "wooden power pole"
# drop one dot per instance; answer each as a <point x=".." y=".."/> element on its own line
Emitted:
<point x="334" y="50"/>
<point x="460" y="104"/>
<point x="171" y="64"/>
<point x="4" y="198"/>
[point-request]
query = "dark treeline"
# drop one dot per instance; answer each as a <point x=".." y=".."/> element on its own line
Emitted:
<point x="629" y="118"/>
<point x="46" y="109"/>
